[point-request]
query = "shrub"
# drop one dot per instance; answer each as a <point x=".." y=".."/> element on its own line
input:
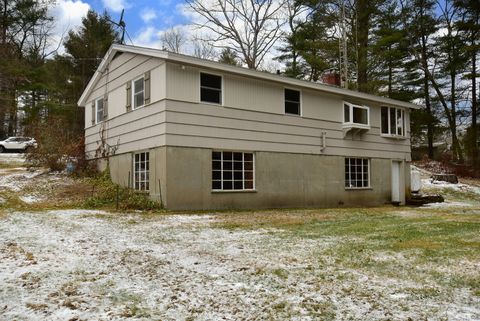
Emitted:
<point x="104" y="194"/>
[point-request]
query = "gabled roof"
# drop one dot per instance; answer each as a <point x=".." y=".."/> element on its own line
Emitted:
<point x="207" y="64"/>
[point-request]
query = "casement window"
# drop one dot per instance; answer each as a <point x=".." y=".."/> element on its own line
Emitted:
<point x="99" y="107"/>
<point x="292" y="101"/>
<point x="357" y="173"/>
<point x="393" y="121"/>
<point x="356" y="115"/>
<point x="210" y="88"/>
<point x="138" y="92"/>
<point x="233" y="171"/>
<point x="141" y="171"/>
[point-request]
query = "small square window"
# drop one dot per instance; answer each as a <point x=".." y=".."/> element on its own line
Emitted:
<point x="232" y="171"/>
<point x="357" y="172"/>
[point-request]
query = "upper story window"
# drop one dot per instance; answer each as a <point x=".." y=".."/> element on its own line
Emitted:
<point x="356" y="115"/>
<point x="393" y="121"/>
<point x="99" y="108"/>
<point x="292" y="102"/>
<point x="210" y="88"/>
<point x="138" y="93"/>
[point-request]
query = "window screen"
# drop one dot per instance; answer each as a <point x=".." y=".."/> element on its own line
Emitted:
<point x="138" y="93"/>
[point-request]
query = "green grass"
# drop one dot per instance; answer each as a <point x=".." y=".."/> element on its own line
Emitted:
<point x="399" y="243"/>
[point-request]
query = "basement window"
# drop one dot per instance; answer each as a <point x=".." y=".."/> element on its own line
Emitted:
<point x="210" y="88"/>
<point x="292" y="102"/>
<point x="138" y="93"/>
<point x="233" y="171"/>
<point x="393" y="121"/>
<point x="141" y="171"/>
<point x="356" y="115"/>
<point x="357" y="173"/>
<point x="99" y="110"/>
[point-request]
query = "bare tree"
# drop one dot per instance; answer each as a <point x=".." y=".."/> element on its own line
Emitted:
<point x="203" y="50"/>
<point x="248" y="27"/>
<point x="173" y="40"/>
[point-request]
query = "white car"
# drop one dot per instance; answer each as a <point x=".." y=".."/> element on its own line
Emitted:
<point x="17" y="144"/>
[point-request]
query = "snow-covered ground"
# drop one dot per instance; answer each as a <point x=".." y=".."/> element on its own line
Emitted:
<point x="92" y="265"/>
<point x="76" y="264"/>
<point x="12" y="158"/>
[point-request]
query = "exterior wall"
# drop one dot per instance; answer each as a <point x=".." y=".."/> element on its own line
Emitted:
<point x="121" y="171"/>
<point x="252" y="118"/>
<point x="292" y="167"/>
<point x="281" y="180"/>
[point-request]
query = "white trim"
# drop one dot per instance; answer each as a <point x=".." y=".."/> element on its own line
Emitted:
<point x="369" y="186"/>
<point x="221" y="180"/>
<point x="351" y="123"/>
<point x="300" y="108"/>
<point x="222" y="89"/>
<point x="192" y="61"/>
<point x="96" y="110"/>
<point x="132" y="86"/>
<point x="389" y="134"/>
<point x="145" y="171"/>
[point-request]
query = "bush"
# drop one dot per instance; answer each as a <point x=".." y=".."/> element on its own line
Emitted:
<point x="104" y="194"/>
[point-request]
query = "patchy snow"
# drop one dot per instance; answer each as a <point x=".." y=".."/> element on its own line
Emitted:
<point x="15" y="179"/>
<point x="429" y="184"/>
<point x="94" y="265"/>
<point x="446" y="204"/>
<point x="30" y="199"/>
<point x="12" y="158"/>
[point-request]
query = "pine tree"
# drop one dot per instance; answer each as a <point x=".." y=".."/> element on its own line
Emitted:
<point x="87" y="46"/>
<point x="469" y="25"/>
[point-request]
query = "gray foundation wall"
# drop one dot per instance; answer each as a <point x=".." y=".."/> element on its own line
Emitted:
<point x="181" y="178"/>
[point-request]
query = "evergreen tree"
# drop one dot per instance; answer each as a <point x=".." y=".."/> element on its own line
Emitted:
<point x="469" y="25"/>
<point x="229" y="57"/>
<point x="87" y="46"/>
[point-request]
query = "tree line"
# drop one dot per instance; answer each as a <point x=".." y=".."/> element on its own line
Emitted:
<point x="422" y="51"/>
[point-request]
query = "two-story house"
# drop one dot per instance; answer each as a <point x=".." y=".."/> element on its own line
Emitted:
<point x="198" y="134"/>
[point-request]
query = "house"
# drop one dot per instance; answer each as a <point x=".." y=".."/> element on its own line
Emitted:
<point x="198" y="134"/>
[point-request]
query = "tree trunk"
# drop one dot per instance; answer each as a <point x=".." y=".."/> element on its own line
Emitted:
<point x="363" y="27"/>
<point x="474" y="144"/>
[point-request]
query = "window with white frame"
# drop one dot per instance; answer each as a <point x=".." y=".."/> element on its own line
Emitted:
<point x="357" y="172"/>
<point x="356" y="114"/>
<point x="292" y="101"/>
<point x="210" y="88"/>
<point x="138" y="92"/>
<point x="141" y="171"/>
<point x="393" y="121"/>
<point x="99" y="110"/>
<point x="233" y="171"/>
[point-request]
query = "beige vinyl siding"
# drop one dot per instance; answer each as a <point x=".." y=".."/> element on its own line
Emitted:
<point x="122" y="69"/>
<point x="183" y="83"/>
<point x="199" y="125"/>
<point x="251" y="94"/>
<point x="142" y="128"/>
